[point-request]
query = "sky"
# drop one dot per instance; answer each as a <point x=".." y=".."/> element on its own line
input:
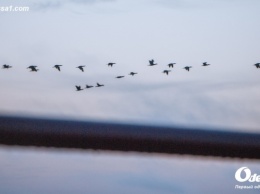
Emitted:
<point x="130" y="33"/>
<point x="224" y="95"/>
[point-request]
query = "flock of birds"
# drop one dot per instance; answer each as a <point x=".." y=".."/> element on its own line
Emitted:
<point x="81" y="67"/>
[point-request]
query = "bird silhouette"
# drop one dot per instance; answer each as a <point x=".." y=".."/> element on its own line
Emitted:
<point x="132" y="73"/>
<point x="33" y="68"/>
<point x="257" y="65"/>
<point x="151" y="63"/>
<point x="205" y="64"/>
<point x="81" y="67"/>
<point x="166" y="71"/>
<point x="187" y="68"/>
<point x="6" y="66"/>
<point x="171" y="65"/>
<point x="99" y="85"/>
<point x="110" y="64"/>
<point x="57" y="67"/>
<point x="78" y="88"/>
<point x="87" y="86"/>
<point x="120" y="76"/>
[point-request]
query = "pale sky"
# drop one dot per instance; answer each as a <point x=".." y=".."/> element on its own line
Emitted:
<point x="130" y="33"/>
<point x="224" y="95"/>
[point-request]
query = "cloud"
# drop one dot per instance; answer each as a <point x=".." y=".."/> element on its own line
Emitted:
<point x="198" y="3"/>
<point x="46" y="5"/>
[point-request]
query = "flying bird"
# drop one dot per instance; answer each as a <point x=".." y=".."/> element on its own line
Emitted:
<point x="81" y="67"/>
<point x="166" y="71"/>
<point x="152" y="63"/>
<point x="110" y="64"/>
<point x="120" y="76"/>
<point x="187" y="68"/>
<point x="33" y="68"/>
<point x="171" y="65"/>
<point x="132" y="73"/>
<point x="87" y="86"/>
<point x="6" y="66"/>
<point x="205" y="64"/>
<point x="57" y="67"/>
<point x="257" y="65"/>
<point x="99" y="85"/>
<point x="78" y="88"/>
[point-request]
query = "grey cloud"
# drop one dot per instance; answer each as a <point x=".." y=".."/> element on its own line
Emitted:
<point x="45" y="5"/>
<point x="196" y="4"/>
<point x="90" y="1"/>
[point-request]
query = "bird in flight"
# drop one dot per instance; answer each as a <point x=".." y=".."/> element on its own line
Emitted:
<point x="120" y="76"/>
<point x="205" y="64"/>
<point x="166" y="72"/>
<point x="81" y="67"/>
<point x="87" y="86"/>
<point x="78" y="88"/>
<point x="187" y="68"/>
<point x="257" y="65"/>
<point x="99" y="85"/>
<point x="110" y="64"/>
<point x="132" y="73"/>
<point x="152" y="63"/>
<point x="33" y="68"/>
<point x="171" y="65"/>
<point x="6" y="66"/>
<point x="57" y="67"/>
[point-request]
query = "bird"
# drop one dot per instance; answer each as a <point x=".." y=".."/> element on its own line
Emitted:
<point x="152" y="63"/>
<point x="171" y="65"/>
<point x="205" y="64"/>
<point x="6" y="66"/>
<point x="57" y="67"/>
<point x="99" y="85"/>
<point x="132" y="73"/>
<point x="33" y="68"/>
<point x="78" y="88"/>
<point x="87" y="86"/>
<point x="81" y="67"/>
<point x="120" y="76"/>
<point x="257" y="65"/>
<point x="166" y="71"/>
<point x="187" y="68"/>
<point x="111" y="64"/>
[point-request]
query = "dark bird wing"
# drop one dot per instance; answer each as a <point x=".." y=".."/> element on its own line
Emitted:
<point x="99" y="85"/>
<point x="57" y="67"/>
<point x="81" y="68"/>
<point x="111" y="64"/>
<point x="78" y="88"/>
<point x="132" y="73"/>
<point x="33" y="68"/>
<point x="257" y="65"/>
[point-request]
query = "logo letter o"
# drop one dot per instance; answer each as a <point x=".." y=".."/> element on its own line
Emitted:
<point x="238" y="174"/>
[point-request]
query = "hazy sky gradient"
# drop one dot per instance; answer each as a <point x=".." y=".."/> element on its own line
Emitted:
<point x="93" y="33"/>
